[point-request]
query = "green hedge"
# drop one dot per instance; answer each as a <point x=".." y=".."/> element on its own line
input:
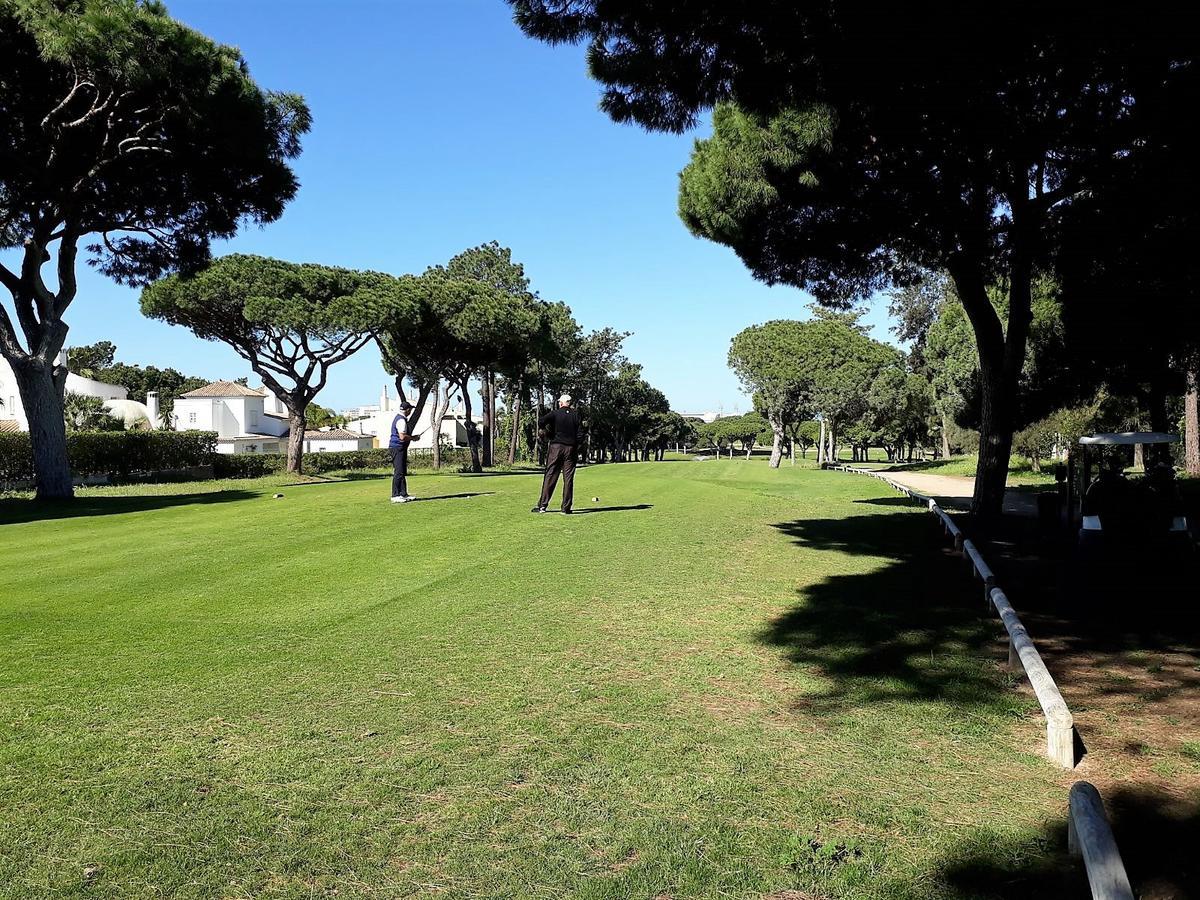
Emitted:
<point x="124" y="453"/>
<point x="119" y="453"/>
<point x="255" y="465"/>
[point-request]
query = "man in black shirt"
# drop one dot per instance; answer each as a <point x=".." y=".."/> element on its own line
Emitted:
<point x="562" y="455"/>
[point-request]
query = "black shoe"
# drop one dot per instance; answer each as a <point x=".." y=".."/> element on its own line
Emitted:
<point x="538" y="509"/>
<point x="566" y="512"/>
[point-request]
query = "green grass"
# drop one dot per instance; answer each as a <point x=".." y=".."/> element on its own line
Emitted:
<point x="725" y="682"/>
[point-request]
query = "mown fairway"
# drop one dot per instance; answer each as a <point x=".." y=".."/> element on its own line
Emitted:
<point x="760" y="682"/>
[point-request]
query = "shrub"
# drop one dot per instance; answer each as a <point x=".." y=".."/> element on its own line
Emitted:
<point x="247" y="465"/>
<point x="256" y="465"/>
<point x="119" y="453"/>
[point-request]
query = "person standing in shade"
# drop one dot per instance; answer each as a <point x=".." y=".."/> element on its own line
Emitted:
<point x="398" y="443"/>
<point x="563" y="453"/>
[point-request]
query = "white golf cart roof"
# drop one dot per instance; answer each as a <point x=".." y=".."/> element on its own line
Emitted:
<point x="1125" y="438"/>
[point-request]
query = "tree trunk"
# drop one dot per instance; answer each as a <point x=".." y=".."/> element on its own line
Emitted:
<point x="476" y="466"/>
<point x="516" y="423"/>
<point x="487" y="398"/>
<point x="776" y="443"/>
<point x="821" y="445"/>
<point x="1001" y="356"/>
<point x="297" y="422"/>
<point x="1139" y="457"/>
<point x="441" y="405"/>
<point x="945" y="436"/>
<point x="40" y="386"/>
<point x="1191" y="422"/>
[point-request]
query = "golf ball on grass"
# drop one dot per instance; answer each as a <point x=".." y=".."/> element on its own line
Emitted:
<point x="595" y="499"/>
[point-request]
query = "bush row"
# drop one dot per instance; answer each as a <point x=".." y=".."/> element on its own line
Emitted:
<point x="125" y="453"/>
<point x="255" y="465"/>
<point x="119" y="453"/>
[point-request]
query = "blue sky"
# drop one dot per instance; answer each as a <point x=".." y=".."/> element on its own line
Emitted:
<point x="438" y="126"/>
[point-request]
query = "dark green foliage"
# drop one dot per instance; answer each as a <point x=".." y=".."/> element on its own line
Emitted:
<point x="91" y="359"/>
<point x="131" y="137"/>
<point x="854" y="145"/>
<point x="119" y="453"/>
<point x="82" y="413"/>
<point x="290" y="321"/>
<point x="255" y="465"/>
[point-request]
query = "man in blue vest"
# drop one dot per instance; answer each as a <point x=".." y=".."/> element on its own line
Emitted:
<point x="398" y="442"/>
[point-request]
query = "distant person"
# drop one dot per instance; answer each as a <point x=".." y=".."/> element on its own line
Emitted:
<point x="564" y="426"/>
<point x="1164" y="501"/>
<point x="401" y="437"/>
<point x="1108" y="497"/>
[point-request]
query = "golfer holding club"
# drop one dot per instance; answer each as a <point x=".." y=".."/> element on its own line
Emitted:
<point x="562" y="454"/>
<point x="398" y="443"/>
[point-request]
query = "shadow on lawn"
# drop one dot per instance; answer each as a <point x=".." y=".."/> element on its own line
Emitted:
<point x="15" y="512"/>
<point x="603" y="509"/>
<point x="452" y="496"/>
<point x="887" y="501"/>
<point x="884" y="635"/>
<point x="1156" y="834"/>
<point x="912" y="629"/>
<point x="500" y="474"/>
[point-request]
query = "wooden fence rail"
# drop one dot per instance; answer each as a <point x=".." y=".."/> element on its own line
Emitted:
<point x="1060" y="724"/>
<point x="1090" y="836"/>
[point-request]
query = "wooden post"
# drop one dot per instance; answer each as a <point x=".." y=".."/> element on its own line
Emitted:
<point x="1060" y="725"/>
<point x="1090" y="836"/>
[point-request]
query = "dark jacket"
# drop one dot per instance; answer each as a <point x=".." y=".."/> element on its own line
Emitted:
<point x="568" y="428"/>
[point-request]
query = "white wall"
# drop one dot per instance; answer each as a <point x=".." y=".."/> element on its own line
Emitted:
<point x="323" y="446"/>
<point x="194" y="414"/>
<point x="13" y="408"/>
<point x="11" y="397"/>
<point x="380" y="425"/>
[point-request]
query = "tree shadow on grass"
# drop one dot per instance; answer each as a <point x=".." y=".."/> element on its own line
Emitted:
<point x="905" y="629"/>
<point x="1155" y="833"/>
<point x="912" y="628"/>
<point x="16" y="512"/>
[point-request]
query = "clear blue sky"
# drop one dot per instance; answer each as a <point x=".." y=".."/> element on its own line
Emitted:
<point x="438" y="126"/>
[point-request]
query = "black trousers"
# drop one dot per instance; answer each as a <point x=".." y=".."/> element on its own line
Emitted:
<point x="399" y="471"/>
<point x="560" y="459"/>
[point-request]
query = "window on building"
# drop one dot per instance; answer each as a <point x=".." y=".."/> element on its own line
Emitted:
<point x="253" y="419"/>
<point x="191" y="418"/>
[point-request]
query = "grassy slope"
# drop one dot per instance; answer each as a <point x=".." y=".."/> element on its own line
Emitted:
<point x="758" y="683"/>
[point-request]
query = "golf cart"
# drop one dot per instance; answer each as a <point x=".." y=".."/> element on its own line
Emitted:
<point x="1119" y="516"/>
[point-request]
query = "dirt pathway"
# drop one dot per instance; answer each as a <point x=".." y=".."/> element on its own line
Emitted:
<point x="953" y="492"/>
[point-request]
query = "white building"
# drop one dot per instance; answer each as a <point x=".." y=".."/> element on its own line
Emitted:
<point x="240" y="415"/>
<point x="12" y="410"/>
<point x="331" y="439"/>
<point x="250" y="420"/>
<point x="378" y="424"/>
<point x="705" y="417"/>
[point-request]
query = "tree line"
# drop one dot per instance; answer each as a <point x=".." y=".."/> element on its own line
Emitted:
<point x="109" y="157"/>
<point x="855" y="148"/>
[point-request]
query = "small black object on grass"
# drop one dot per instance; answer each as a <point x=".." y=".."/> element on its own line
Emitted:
<point x="277" y="497"/>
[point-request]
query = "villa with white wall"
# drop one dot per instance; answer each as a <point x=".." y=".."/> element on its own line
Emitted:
<point x="250" y="420"/>
<point x="378" y="423"/>
<point x="12" y="410"/>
